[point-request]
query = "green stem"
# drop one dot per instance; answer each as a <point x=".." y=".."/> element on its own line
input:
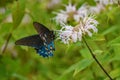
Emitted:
<point x="100" y="65"/>
<point x="6" y="43"/>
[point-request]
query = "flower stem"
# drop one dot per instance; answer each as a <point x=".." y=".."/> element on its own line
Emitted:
<point x="100" y="65"/>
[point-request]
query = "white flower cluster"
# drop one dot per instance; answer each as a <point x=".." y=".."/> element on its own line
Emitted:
<point x="70" y="12"/>
<point x="101" y="4"/>
<point x="53" y="3"/>
<point x="85" y="23"/>
<point x="107" y="2"/>
<point x="70" y="33"/>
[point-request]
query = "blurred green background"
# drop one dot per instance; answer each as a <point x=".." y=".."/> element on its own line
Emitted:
<point x="70" y="62"/>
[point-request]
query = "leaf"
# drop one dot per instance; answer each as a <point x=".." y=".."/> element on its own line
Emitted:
<point x="114" y="73"/>
<point x="98" y="51"/>
<point x="114" y="41"/>
<point x="83" y="64"/>
<point x="79" y="66"/>
<point x="116" y="49"/>
<point x="18" y="76"/>
<point x="111" y="29"/>
<point x="85" y="53"/>
<point x="18" y="11"/>
<point x="98" y="37"/>
<point x="6" y="27"/>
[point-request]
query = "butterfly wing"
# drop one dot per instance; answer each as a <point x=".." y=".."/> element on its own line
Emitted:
<point x="45" y="34"/>
<point x="46" y="51"/>
<point x="32" y="41"/>
<point x="36" y="42"/>
<point x="47" y="37"/>
<point x="43" y="43"/>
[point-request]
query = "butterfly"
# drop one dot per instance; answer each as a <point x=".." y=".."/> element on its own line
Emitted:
<point x="43" y="42"/>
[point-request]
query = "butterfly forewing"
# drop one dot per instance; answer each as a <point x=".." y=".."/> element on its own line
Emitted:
<point x="45" y="34"/>
<point x="33" y="41"/>
<point x="40" y="28"/>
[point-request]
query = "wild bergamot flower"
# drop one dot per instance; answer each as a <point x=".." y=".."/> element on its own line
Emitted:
<point x="70" y="13"/>
<point x="101" y="5"/>
<point x="70" y="33"/>
<point x="107" y="2"/>
<point x="85" y="23"/>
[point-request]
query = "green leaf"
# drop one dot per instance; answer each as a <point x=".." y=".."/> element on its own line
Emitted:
<point x="114" y="73"/>
<point x="114" y="41"/>
<point x="116" y="49"/>
<point x="111" y="29"/>
<point x="85" y="53"/>
<point x="82" y="65"/>
<point x="6" y="27"/>
<point x="18" y="11"/>
<point x="18" y="76"/>
<point x="79" y="66"/>
<point x="98" y="51"/>
<point x="98" y="37"/>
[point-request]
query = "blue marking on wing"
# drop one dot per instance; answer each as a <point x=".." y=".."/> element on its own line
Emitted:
<point x="46" y="50"/>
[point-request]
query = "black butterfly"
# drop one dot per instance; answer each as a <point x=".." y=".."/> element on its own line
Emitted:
<point x="42" y="42"/>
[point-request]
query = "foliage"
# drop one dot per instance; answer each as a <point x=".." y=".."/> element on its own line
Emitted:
<point x="70" y="62"/>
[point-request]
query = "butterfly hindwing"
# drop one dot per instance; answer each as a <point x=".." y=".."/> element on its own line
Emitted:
<point x="46" y="51"/>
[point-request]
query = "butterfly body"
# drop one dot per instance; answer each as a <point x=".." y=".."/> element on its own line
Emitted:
<point x="43" y="42"/>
